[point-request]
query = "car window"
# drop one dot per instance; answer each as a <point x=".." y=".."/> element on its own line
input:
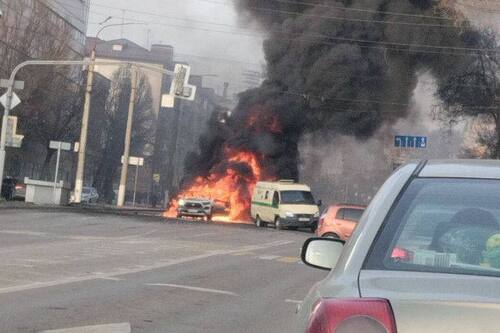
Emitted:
<point x="442" y="225"/>
<point x="340" y="214"/>
<point x="297" y="197"/>
<point x="276" y="199"/>
<point x="352" y="214"/>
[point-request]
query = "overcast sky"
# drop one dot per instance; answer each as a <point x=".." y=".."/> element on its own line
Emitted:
<point x="215" y="33"/>
<point x="207" y="33"/>
<point x="169" y="16"/>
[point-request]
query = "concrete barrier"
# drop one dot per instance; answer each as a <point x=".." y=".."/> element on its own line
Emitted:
<point x="44" y="193"/>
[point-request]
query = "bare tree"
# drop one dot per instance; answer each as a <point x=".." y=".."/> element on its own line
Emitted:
<point x="472" y="89"/>
<point x="116" y="111"/>
<point x="52" y="99"/>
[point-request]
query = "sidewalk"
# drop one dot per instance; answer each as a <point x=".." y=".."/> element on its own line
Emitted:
<point x="101" y="209"/>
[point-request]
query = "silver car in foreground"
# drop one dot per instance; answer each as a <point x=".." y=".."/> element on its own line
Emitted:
<point x="425" y="257"/>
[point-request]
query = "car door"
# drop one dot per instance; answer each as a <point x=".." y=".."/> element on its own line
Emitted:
<point x="437" y="259"/>
<point x="266" y="206"/>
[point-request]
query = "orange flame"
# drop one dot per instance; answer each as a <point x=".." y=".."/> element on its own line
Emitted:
<point x="232" y="187"/>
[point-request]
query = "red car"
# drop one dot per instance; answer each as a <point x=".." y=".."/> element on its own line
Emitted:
<point x="338" y="221"/>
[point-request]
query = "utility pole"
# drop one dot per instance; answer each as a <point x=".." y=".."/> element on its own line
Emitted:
<point x="3" y="136"/>
<point x="80" y="170"/>
<point x="128" y="135"/>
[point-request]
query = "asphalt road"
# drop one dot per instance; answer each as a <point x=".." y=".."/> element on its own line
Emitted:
<point x="61" y="270"/>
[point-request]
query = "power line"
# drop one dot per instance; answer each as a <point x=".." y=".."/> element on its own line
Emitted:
<point x="297" y="14"/>
<point x="281" y="32"/>
<point x="361" y="10"/>
<point x="308" y="38"/>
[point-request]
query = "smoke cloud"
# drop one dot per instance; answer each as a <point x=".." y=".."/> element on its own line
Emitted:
<point x="344" y="67"/>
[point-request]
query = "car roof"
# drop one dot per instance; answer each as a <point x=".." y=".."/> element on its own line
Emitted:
<point x="483" y="169"/>
<point x="341" y="205"/>
<point x="284" y="185"/>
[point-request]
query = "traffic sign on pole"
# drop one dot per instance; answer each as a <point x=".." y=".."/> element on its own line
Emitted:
<point x="60" y="145"/>
<point x="15" y="100"/>
<point x="139" y="161"/>
<point x="406" y="141"/>
<point x="180" y="87"/>
<point x="18" y="85"/>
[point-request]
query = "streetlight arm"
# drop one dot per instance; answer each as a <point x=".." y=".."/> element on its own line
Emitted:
<point x="81" y="62"/>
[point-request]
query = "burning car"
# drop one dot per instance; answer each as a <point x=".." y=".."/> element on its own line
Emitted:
<point x="196" y="207"/>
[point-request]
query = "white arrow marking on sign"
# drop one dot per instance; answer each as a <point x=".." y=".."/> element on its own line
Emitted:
<point x="15" y="100"/>
<point x="111" y="328"/>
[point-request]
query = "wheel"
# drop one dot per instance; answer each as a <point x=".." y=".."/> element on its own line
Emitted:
<point x="208" y="218"/>
<point x="278" y="224"/>
<point x="331" y="235"/>
<point x="258" y="222"/>
<point x="314" y="226"/>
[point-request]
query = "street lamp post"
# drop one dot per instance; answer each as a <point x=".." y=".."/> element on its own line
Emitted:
<point x="80" y="170"/>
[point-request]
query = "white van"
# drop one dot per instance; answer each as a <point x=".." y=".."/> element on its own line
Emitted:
<point x="285" y="204"/>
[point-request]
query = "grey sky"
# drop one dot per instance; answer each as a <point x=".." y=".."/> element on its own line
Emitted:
<point x="167" y="22"/>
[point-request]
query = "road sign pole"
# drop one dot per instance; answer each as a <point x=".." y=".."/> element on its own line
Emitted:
<point x="135" y="181"/>
<point x="3" y="136"/>
<point x="57" y="170"/>
<point x="128" y="136"/>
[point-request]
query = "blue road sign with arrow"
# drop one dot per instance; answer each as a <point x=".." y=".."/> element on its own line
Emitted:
<point x="406" y="141"/>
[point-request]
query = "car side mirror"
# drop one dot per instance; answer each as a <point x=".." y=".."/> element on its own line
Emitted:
<point x="322" y="253"/>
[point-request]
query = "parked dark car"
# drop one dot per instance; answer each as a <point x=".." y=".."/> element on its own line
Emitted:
<point x="9" y="188"/>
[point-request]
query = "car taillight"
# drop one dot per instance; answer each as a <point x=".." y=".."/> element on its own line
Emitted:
<point x="19" y="187"/>
<point x="402" y="255"/>
<point x="361" y="315"/>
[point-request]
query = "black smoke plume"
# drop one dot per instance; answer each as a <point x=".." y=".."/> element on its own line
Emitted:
<point x="344" y="66"/>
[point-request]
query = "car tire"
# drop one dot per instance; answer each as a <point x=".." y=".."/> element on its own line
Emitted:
<point x="258" y="222"/>
<point x="331" y="235"/>
<point x="208" y="218"/>
<point x="314" y="227"/>
<point x="278" y="225"/>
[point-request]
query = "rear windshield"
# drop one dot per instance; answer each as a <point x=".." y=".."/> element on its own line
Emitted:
<point x="442" y="225"/>
<point x="351" y="214"/>
<point x="297" y="197"/>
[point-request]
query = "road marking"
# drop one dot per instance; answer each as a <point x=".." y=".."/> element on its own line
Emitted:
<point x="123" y="271"/>
<point x="289" y="259"/>
<point x="294" y="301"/>
<point x="111" y="328"/>
<point x="269" y="257"/>
<point x="110" y="278"/>
<point x="205" y="234"/>
<point x="237" y="254"/>
<point x="24" y="233"/>
<point x="205" y="290"/>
